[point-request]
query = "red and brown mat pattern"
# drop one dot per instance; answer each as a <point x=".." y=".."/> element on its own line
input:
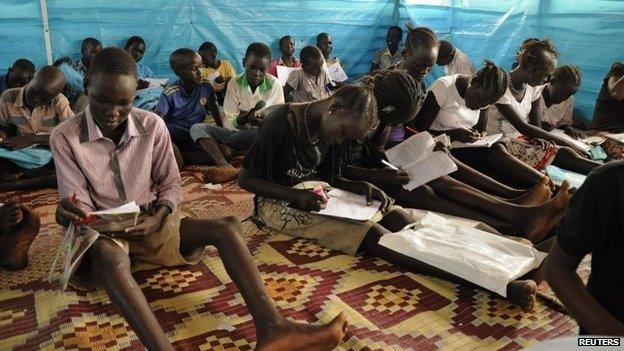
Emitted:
<point x="388" y="308"/>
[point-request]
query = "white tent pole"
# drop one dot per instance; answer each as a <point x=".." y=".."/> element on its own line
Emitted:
<point x="46" y="30"/>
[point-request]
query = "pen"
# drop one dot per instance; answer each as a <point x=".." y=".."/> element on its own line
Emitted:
<point x="389" y="165"/>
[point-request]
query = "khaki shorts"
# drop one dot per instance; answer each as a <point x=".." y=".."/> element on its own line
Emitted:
<point x="163" y="247"/>
<point x="332" y="233"/>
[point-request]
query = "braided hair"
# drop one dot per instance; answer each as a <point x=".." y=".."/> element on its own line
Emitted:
<point x="492" y="80"/>
<point x="530" y="50"/>
<point x="420" y="36"/>
<point x="360" y="100"/>
<point x="568" y="75"/>
<point x="396" y="94"/>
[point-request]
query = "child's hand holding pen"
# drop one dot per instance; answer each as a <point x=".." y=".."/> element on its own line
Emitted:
<point x="69" y="210"/>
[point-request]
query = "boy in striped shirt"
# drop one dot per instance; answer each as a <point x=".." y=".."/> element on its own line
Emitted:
<point x="113" y="153"/>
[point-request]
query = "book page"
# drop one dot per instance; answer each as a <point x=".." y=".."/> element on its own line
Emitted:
<point x="561" y="134"/>
<point x="337" y="73"/>
<point x="283" y="73"/>
<point x="486" y="141"/>
<point x="411" y="150"/>
<point x="432" y="167"/>
<point x="619" y="137"/>
<point x="345" y="204"/>
<point x="116" y="219"/>
<point x="77" y="246"/>
<point x="156" y="82"/>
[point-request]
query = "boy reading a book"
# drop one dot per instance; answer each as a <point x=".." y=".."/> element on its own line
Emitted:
<point x="27" y="117"/>
<point x="112" y="154"/>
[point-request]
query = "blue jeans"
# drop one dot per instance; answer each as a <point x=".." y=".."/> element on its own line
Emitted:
<point x="239" y="140"/>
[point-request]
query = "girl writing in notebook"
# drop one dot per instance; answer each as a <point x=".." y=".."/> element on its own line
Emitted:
<point x="532" y="215"/>
<point x="294" y="150"/>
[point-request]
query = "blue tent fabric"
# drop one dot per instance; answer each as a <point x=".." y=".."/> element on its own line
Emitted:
<point x="585" y="32"/>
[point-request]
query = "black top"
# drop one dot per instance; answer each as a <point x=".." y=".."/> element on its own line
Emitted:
<point x="609" y="112"/>
<point x="594" y="223"/>
<point x="278" y="157"/>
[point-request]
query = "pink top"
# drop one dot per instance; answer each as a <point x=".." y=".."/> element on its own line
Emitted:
<point x="279" y="62"/>
<point x="103" y="175"/>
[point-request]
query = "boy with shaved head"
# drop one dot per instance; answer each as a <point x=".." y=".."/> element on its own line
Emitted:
<point x="187" y="101"/>
<point x="27" y="117"/>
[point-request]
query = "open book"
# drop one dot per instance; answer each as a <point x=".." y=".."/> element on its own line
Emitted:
<point x="487" y="142"/>
<point x="337" y="73"/>
<point x="417" y="157"/>
<point x="348" y="205"/>
<point x="578" y="143"/>
<point x="619" y="137"/>
<point x="156" y="82"/>
<point x="78" y="240"/>
<point x="114" y="219"/>
<point x="283" y="73"/>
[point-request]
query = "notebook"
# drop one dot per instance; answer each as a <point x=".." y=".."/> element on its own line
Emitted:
<point x="416" y="156"/>
<point x="486" y="142"/>
<point x="348" y="205"/>
<point x="283" y="73"/>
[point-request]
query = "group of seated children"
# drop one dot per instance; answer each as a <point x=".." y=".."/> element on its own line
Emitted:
<point x="325" y="137"/>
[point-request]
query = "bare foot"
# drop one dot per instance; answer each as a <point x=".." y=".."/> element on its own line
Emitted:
<point x="14" y="244"/>
<point x="537" y="195"/>
<point x="217" y="175"/>
<point x="522" y="293"/>
<point x="289" y="336"/>
<point x="538" y="222"/>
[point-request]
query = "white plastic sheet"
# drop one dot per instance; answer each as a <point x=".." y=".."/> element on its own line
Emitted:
<point x="488" y="260"/>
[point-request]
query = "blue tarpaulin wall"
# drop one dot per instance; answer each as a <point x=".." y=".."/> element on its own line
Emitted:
<point x="587" y="33"/>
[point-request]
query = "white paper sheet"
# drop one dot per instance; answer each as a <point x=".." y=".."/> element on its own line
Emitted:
<point x="156" y="82"/>
<point x="337" y="73"/>
<point x="344" y="204"/>
<point x="561" y="134"/>
<point x="417" y="157"/>
<point x="488" y="260"/>
<point x="485" y="142"/>
<point x="283" y="73"/>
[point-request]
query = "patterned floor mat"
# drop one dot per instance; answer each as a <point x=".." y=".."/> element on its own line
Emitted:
<point x="388" y="308"/>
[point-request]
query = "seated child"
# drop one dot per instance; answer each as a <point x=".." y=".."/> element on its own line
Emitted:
<point x="28" y="115"/>
<point x="390" y="56"/>
<point x="528" y="214"/>
<point x="593" y="225"/>
<point x="288" y="59"/>
<point x="19" y="226"/>
<point x="17" y="75"/>
<point x="135" y="46"/>
<point x="187" y="101"/>
<point x="294" y="154"/>
<point x="517" y="116"/>
<point x="246" y="95"/>
<point x="325" y="43"/>
<point x="557" y="100"/>
<point x="75" y="71"/>
<point x="311" y="82"/>
<point x="609" y="110"/>
<point x="454" y="60"/>
<point x="218" y="72"/>
<point x="130" y="158"/>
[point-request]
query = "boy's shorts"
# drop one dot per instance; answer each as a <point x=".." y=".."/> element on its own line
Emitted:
<point x="162" y="247"/>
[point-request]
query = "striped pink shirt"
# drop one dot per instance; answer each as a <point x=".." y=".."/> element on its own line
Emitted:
<point x="103" y="175"/>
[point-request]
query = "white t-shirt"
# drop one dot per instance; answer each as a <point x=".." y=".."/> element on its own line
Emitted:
<point x="453" y="112"/>
<point x="560" y="114"/>
<point x="461" y="64"/>
<point x="498" y="124"/>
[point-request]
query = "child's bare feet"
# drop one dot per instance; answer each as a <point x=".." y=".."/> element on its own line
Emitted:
<point x="217" y="175"/>
<point x="538" y="222"/>
<point x="522" y="293"/>
<point x="14" y="243"/>
<point x="537" y="195"/>
<point x="289" y="336"/>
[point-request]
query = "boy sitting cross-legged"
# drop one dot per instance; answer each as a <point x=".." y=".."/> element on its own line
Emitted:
<point x="113" y="153"/>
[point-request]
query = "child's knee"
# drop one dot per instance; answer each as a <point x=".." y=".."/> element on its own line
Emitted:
<point x="107" y="256"/>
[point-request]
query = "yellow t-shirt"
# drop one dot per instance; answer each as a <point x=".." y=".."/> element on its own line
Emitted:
<point x="225" y="70"/>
